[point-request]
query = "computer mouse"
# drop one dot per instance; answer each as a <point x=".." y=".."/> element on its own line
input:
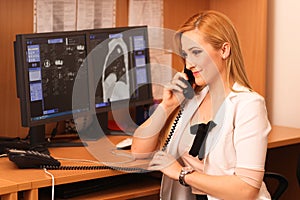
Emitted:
<point x="124" y="143"/>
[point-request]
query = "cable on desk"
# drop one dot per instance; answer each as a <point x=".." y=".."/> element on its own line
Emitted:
<point x="52" y="183"/>
<point x="3" y="155"/>
<point x="99" y="166"/>
<point x="96" y="167"/>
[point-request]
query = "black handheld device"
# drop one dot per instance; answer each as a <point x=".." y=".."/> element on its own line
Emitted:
<point x="188" y="92"/>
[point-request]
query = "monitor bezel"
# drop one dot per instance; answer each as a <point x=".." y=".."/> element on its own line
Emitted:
<point x="22" y="79"/>
<point x="147" y="96"/>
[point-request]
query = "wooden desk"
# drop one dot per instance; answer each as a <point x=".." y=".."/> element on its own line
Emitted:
<point x="8" y="190"/>
<point x="13" y="179"/>
<point x="29" y="181"/>
<point x="282" y="136"/>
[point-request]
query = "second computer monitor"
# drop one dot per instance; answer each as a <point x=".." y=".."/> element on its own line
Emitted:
<point x="121" y="65"/>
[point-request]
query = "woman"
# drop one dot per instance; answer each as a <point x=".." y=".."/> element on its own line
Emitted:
<point x="218" y="148"/>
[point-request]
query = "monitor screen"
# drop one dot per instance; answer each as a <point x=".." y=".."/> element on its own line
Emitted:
<point x="46" y="74"/>
<point x="102" y="67"/>
<point x="120" y="60"/>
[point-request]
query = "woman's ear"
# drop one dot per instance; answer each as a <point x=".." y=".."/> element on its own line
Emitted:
<point x="225" y="50"/>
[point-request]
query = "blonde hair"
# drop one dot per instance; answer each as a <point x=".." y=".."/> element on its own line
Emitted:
<point x="218" y="29"/>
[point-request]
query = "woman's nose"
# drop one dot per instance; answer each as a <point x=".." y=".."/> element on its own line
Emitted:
<point x="188" y="65"/>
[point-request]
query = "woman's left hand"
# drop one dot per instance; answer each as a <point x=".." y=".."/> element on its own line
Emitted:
<point x="166" y="163"/>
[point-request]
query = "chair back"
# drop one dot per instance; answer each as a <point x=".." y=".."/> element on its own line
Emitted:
<point x="298" y="170"/>
<point x="276" y="184"/>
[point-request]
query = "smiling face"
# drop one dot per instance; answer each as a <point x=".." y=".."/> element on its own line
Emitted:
<point x="206" y="62"/>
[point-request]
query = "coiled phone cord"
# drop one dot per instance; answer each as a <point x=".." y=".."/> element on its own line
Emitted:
<point x="172" y="130"/>
<point x="127" y="169"/>
<point x="95" y="167"/>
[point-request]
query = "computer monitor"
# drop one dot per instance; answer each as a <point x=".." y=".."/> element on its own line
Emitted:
<point x="121" y="65"/>
<point x="51" y="66"/>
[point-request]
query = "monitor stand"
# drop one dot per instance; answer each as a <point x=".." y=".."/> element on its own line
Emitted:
<point x="66" y="141"/>
<point x="38" y="142"/>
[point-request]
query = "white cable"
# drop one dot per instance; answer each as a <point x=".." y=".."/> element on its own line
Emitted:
<point x="52" y="177"/>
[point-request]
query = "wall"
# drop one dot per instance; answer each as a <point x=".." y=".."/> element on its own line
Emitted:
<point x="250" y="20"/>
<point x="283" y="63"/>
<point x="282" y="91"/>
<point x="16" y="17"/>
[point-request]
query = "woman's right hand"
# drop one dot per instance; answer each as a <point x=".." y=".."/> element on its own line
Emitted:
<point x="173" y="92"/>
<point x="146" y="136"/>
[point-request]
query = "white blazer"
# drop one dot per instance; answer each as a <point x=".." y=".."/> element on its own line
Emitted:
<point x="238" y="141"/>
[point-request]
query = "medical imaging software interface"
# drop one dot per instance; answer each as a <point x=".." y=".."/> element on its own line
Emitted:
<point x="121" y="65"/>
<point x="53" y="64"/>
<point x="104" y="65"/>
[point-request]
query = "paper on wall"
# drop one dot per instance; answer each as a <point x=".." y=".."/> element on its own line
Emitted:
<point x="65" y="15"/>
<point x="150" y="13"/>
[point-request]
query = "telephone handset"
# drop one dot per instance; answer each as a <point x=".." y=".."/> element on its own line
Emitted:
<point x="189" y="91"/>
